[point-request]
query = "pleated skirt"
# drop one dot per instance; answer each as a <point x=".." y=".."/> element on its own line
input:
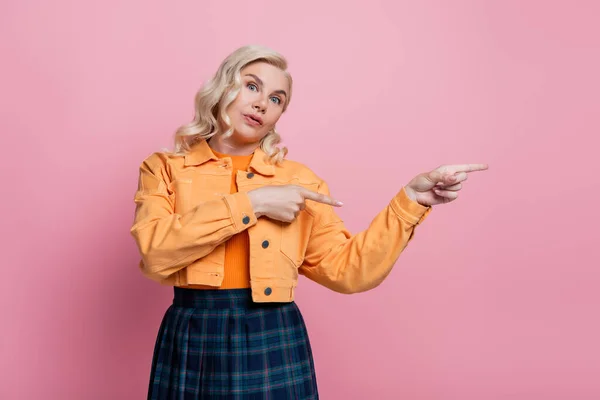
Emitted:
<point x="219" y="344"/>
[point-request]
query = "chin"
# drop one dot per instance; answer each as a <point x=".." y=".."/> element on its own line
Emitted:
<point x="246" y="134"/>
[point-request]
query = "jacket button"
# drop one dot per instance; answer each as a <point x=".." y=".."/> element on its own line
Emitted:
<point x="265" y="244"/>
<point x="268" y="291"/>
<point x="250" y="175"/>
<point x="246" y="220"/>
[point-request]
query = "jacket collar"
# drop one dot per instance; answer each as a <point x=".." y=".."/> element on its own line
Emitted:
<point x="201" y="153"/>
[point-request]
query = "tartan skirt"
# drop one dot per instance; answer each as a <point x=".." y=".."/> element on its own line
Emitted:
<point x="219" y="344"/>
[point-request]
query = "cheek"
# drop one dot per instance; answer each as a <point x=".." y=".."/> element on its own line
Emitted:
<point x="239" y="100"/>
<point x="243" y="98"/>
<point x="274" y="116"/>
<point x="234" y="109"/>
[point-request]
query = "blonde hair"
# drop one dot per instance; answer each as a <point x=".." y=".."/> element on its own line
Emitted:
<point x="220" y="91"/>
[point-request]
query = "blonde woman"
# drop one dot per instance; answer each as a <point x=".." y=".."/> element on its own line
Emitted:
<point x="230" y="223"/>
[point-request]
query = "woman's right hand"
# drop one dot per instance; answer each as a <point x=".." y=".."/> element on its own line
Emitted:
<point x="284" y="203"/>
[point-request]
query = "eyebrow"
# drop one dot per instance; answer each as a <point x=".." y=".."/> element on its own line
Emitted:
<point x="260" y="82"/>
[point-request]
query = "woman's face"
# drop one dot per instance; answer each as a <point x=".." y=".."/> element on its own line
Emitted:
<point x="258" y="106"/>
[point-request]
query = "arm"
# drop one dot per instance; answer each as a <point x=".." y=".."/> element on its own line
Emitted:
<point x="349" y="263"/>
<point x="167" y="241"/>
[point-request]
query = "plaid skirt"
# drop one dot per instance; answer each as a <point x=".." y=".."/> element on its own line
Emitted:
<point x="219" y="344"/>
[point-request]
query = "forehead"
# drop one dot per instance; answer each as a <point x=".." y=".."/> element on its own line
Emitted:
<point x="272" y="77"/>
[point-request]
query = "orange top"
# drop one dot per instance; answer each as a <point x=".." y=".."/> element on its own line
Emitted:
<point x="236" y="274"/>
<point x="237" y="248"/>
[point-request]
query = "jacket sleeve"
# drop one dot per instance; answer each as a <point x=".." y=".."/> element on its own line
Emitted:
<point x="167" y="241"/>
<point x="349" y="263"/>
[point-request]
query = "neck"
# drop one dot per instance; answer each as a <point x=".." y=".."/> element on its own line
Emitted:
<point x="228" y="146"/>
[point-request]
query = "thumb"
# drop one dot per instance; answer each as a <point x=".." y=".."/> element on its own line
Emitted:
<point x="435" y="176"/>
<point x="427" y="180"/>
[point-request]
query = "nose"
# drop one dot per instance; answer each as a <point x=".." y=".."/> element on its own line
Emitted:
<point x="260" y="105"/>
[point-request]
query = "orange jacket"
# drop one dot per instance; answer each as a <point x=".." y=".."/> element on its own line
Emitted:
<point x="184" y="214"/>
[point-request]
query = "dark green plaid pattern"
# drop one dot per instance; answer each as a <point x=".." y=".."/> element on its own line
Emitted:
<point x="218" y="344"/>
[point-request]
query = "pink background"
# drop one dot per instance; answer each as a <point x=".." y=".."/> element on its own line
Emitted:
<point x="496" y="298"/>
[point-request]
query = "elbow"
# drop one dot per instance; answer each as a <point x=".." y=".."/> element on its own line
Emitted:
<point x="153" y="271"/>
<point x="358" y="280"/>
<point x="153" y="266"/>
<point x="354" y="286"/>
<point x="361" y="288"/>
<point x="348" y="281"/>
<point x="156" y="263"/>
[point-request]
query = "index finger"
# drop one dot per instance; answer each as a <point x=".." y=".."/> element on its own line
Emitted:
<point x="319" y="198"/>
<point x="467" y="167"/>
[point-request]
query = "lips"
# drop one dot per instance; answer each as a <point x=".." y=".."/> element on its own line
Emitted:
<point x="253" y="119"/>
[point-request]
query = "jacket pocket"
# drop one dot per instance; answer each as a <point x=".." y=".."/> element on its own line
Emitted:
<point x="295" y="236"/>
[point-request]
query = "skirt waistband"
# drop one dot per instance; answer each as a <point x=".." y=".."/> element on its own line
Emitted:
<point x="212" y="298"/>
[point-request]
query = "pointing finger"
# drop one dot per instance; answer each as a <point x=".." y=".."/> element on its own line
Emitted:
<point x="320" y="198"/>
<point x="467" y="167"/>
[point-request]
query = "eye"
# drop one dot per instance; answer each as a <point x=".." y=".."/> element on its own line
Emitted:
<point x="276" y="100"/>
<point x="252" y="87"/>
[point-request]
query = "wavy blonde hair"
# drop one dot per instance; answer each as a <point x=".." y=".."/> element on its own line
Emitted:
<point x="220" y="91"/>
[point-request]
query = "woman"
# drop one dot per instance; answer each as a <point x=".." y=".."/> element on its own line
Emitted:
<point x="230" y="223"/>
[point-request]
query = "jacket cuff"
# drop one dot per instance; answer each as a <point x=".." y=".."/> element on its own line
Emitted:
<point x="240" y="208"/>
<point x="409" y="210"/>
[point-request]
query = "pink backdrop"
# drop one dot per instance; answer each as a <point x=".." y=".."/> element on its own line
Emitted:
<point x="497" y="297"/>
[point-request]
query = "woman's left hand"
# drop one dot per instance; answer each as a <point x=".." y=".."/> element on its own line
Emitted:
<point x="441" y="185"/>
